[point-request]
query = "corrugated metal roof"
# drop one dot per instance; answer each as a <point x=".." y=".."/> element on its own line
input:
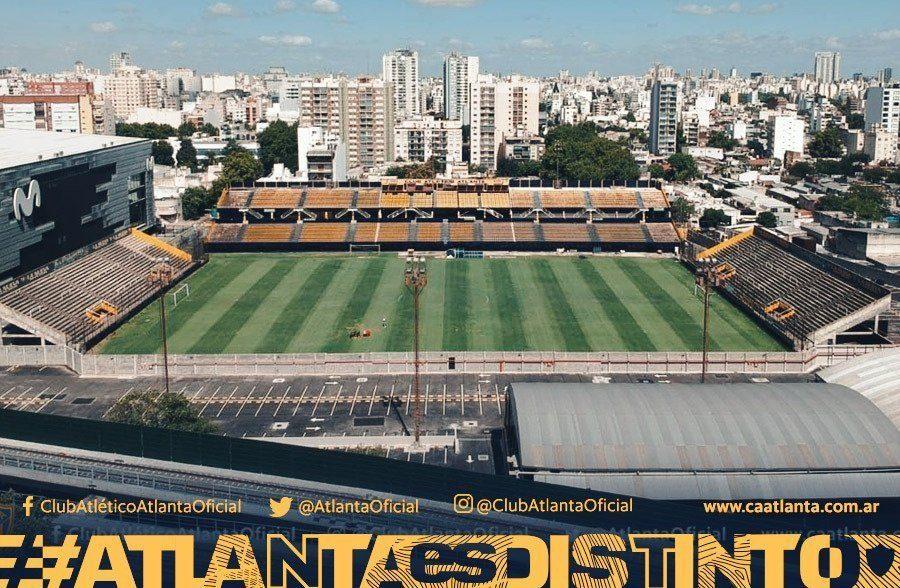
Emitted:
<point x="20" y="147"/>
<point x="874" y="375"/>
<point x="725" y="429"/>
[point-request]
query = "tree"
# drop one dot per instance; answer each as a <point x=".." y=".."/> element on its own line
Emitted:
<point x="187" y="155"/>
<point x="168" y="410"/>
<point x="682" y="210"/>
<point x="827" y="143"/>
<point x="682" y="168"/>
<point x="802" y="170"/>
<point x="767" y="219"/>
<point x="656" y="170"/>
<point x="425" y="171"/>
<point x="578" y="152"/>
<point x="208" y="129"/>
<point x="278" y="144"/>
<point x="517" y="168"/>
<point x="231" y="147"/>
<point x="722" y="141"/>
<point x="145" y="131"/>
<point x="162" y="153"/>
<point x="713" y="217"/>
<point x="756" y="148"/>
<point x="630" y="117"/>
<point x="186" y="129"/>
<point x="856" y="121"/>
<point x="195" y="201"/>
<point x="863" y="202"/>
<point x="239" y="167"/>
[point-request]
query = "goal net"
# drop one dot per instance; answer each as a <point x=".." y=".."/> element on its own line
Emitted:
<point x="180" y="293"/>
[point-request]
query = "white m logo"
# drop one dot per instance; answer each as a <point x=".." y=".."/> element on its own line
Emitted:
<point x="24" y="204"/>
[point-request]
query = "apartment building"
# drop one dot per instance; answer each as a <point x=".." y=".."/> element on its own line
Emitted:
<point x="459" y="73"/>
<point x="421" y="139"/>
<point x="360" y="111"/>
<point x="663" y="118"/>
<point x="129" y="88"/>
<point x="321" y="156"/>
<point x="401" y="69"/>
<point x="787" y="133"/>
<point x="501" y="108"/>
<point x="883" y="107"/>
<point x="827" y="67"/>
<point x="64" y="107"/>
<point x="880" y="144"/>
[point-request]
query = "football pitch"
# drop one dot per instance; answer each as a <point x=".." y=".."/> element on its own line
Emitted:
<point x="298" y="303"/>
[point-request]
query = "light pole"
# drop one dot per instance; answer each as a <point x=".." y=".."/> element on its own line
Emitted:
<point x="416" y="278"/>
<point x="162" y="276"/>
<point x="706" y="275"/>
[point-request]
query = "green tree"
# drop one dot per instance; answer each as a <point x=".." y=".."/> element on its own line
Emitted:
<point x="195" y="201"/>
<point x="231" y="146"/>
<point x="802" y="170"/>
<point x="239" y="167"/>
<point x="713" y="217"/>
<point x="722" y="141"/>
<point x="186" y="129"/>
<point x="682" y="210"/>
<point x="162" y="153"/>
<point x="145" y="131"/>
<point x="208" y="129"/>
<point x="578" y="152"/>
<point x="767" y="219"/>
<point x="682" y="168"/>
<point x="656" y="171"/>
<point x="630" y="117"/>
<point x="152" y="409"/>
<point x="827" y="143"/>
<point x="187" y="155"/>
<point x="426" y="170"/>
<point x="278" y="144"/>
<point x="517" y="168"/>
<point x="856" y="121"/>
<point x="756" y="148"/>
<point x="863" y="202"/>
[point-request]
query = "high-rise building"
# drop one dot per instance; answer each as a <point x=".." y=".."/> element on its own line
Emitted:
<point x="459" y="73"/>
<point x="828" y="67"/>
<point x="420" y="139"/>
<point x="119" y="60"/>
<point x="401" y="69"/>
<point x="129" y="88"/>
<point x="786" y="133"/>
<point x="883" y="107"/>
<point x="501" y="109"/>
<point x="63" y="107"/>
<point x="663" y="118"/>
<point x="880" y="144"/>
<point x="321" y="156"/>
<point x="359" y="111"/>
<point x="885" y="75"/>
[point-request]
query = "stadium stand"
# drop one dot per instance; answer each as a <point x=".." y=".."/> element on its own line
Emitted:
<point x="328" y="199"/>
<point x="562" y="199"/>
<point x="462" y="232"/>
<point x="77" y="301"/>
<point x="494" y="200"/>
<point x="393" y="232"/>
<point x="368" y="199"/>
<point x="800" y="295"/>
<point x="268" y="233"/>
<point x="565" y="232"/>
<point x="497" y="232"/>
<point x="621" y="233"/>
<point x="446" y="199"/>
<point x="469" y="200"/>
<point x="234" y="198"/>
<point x="429" y="233"/>
<point x="268" y="198"/>
<point x="324" y="232"/>
<point x="366" y="233"/>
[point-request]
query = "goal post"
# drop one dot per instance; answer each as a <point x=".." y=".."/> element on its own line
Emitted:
<point x="371" y="248"/>
<point x="180" y="293"/>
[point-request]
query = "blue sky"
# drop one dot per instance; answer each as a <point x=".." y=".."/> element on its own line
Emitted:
<point x="527" y="36"/>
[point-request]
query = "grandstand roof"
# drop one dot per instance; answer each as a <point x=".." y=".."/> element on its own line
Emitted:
<point x="873" y="375"/>
<point x="706" y="441"/>
<point x="21" y="147"/>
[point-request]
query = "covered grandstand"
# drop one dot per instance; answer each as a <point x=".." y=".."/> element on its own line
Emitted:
<point x="77" y="299"/>
<point x="681" y="441"/>
<point x="803" y="297"/>
<point x="436" y="214"/>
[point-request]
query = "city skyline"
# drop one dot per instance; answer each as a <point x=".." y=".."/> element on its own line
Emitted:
<point x="347" y="36"/>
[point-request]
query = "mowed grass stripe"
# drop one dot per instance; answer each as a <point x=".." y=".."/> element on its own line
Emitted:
<point x="598" y="330"/>
<point x="456" y="306"/>
<point x="142" y="333"/>
<point x="750" y="335"/>
<point x="273" y="302"/>
<point x="193" y="329"/>
<point x="355" y="308"/>
<point x="399" y="333"/>
<point x="510" y="336"/>
<point x="432" y="309"/>
<point x="540" y="329"/>
<point x="484" y="316"/>
<point x="629" y="331"/>
<point x="299" y="308"/>
<point x="383" y="298"/>
<point x="317" y="331"/>
<point x="678" y="318"/>
<point x="220" y="334"/>
<point x="558" y="306"/>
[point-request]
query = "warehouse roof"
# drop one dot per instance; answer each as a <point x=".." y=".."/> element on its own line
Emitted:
<point x="705" y="441"/>
<point x="21" y="147"/>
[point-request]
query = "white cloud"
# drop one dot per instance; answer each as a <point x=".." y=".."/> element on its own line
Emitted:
<point x="103" y="27"/>
<point x="290" y="40"/>
<point x="325" y="6"/>
<point x="535" y="43"/>
<point x="731" y="8"/>
<point x="221" y="9"/>
<point x="285" y="5"/>
<point x="451" y="3"/>
<point x="176" y="45"/>
<point x="888" y="35"/>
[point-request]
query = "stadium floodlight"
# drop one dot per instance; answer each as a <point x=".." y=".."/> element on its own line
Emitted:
<point x="416" y="279"/>
<point x="161" y="274"/>
<point x="706" y="275"/>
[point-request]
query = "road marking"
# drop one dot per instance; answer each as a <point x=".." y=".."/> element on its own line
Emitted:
<point x="55" y="396"/>
<point x="390" y="401"/>
<point x="277" y="408"/>
<point x="353" y="403"/>
<point x="480" y="406"/>
<point x="462" y="399"/>
<point x="499" y="408"/>
<point x="208" y="400"/>
<point x="444" y="406"/>
<point x="318" y="399"/>
<point x="263" y="401"/>
<point x="227" y="401"/>
<point x="244" y="403"/>
<point x="31" y="400"/>
<point x="111" y="406"/>
<point x="16" y="399"/>
<point x="408" y="394"/>
<point x="336" y="398"/>
<point x="372" y="400"/>
<point x="299" y="400"/>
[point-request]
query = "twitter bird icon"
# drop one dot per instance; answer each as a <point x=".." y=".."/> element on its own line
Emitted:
<point x="280" y="507"/>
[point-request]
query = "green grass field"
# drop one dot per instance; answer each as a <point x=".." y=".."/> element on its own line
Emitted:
<point x="286" y="303"/>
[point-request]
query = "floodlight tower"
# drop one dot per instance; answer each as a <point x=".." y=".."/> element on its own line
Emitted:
<point x="416" y="278"/>
<point x="161" y="274"/>
<point x="706" y="276"/>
